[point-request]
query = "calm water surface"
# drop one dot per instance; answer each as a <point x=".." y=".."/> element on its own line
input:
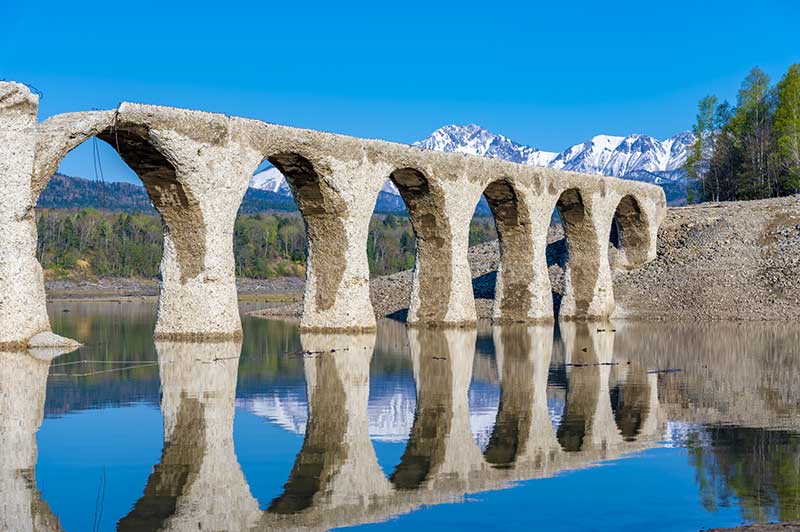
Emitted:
<point x="647" y="427"/>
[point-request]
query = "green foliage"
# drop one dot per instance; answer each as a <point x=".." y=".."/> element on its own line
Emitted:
<point x="755" y="467"/>
<point x="787" y="129"/>
<point x="87" y="242"/>
<point x="750" y="151"/>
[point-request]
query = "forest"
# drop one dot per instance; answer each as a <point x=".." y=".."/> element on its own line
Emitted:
<point x="93" y="243"/>
<point x="750" y="150"/>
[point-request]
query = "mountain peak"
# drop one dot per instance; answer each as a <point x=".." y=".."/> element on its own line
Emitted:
<point x="473" y="139"/>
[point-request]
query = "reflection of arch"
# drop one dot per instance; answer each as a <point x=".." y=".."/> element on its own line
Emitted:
<point x="588" y="420"/>
<point x="441" y="451"/>
<point x="630" y="400"/>
<point x="430" y="293"/>
<point x="630" y="234"/>
<point x="515" y="271"/>
<point x="23" y="382"/>
<point x="523" y="431"/>
<point x="583" y="263"/>
<point x="336" y="473"/>
<point x="198" y="483"/>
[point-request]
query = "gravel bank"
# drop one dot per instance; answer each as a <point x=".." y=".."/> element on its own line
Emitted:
<point x="716" y="261"/>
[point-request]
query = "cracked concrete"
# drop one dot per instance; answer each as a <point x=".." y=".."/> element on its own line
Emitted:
<point x="196" y="167"/>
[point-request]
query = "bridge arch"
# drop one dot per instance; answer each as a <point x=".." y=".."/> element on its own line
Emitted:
<point x="432" y="276"/>
<point x="513" y="292"/>
<point x="175" y="202"/>
<point x="323" y="211"/>
<point x="630" y="234"/>
<point x="582" y="266"/>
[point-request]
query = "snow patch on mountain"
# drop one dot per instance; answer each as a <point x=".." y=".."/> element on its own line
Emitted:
<point x="270" y="180"/>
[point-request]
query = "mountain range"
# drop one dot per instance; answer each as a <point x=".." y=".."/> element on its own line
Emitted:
<point x="637" y="157"/>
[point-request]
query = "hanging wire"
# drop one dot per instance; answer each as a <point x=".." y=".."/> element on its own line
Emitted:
<point x="99" y="175"/>
<point x="31" y="88"/>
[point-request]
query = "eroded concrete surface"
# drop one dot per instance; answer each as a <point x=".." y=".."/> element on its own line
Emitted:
<point x="196" y="167"/>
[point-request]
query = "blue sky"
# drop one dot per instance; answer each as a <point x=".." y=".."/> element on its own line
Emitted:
<point x="545" y="74"/>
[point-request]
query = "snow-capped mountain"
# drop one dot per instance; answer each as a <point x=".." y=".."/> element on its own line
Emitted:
<point x="390" y="411"/>
<point x="620" y="156"/>
<point x="474" y="140"/>
<point x="638" y="157"/>
<point x="602" y="154"/>
<point x="270" y="180"/>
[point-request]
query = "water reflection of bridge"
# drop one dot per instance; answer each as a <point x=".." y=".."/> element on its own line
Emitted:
<point x="336" y="479"/>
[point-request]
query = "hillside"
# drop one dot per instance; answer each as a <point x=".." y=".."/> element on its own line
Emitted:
<point x="67" y="192"/>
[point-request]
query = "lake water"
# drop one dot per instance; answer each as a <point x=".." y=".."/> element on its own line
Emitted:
<point x="655" y="426"/>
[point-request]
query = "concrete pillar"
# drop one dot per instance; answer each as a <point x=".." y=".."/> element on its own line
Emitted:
<point x="22" y="298"/>
<point x="522" y="291"/>
<point x="198" y="483"/>
<point x="588" y="291"/>
<point x="23" y="382"/>
<point x="336" y="202"/>
<point x="523" y="437"/>
<point x="440" y="212"/>
<point x="441" y="453"/>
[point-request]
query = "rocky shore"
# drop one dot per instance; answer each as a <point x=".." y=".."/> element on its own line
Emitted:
<point x="716" y="261"/>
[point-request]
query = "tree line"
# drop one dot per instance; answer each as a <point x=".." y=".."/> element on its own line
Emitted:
<point x="89" y="242"/>
<point x="750" y="150"/>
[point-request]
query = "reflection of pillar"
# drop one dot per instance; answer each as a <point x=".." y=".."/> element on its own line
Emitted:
<point x="23" y="382"/>
<point x="336" y="472"/>
<point x="441" y="452"/>
<point x="588" y="420"/>
<point x="198" y="484"/>
<point x="636" y="404"/>
<point x="523" y="431"/>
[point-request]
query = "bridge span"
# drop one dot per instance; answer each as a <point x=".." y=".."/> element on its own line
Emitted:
<point x="196" y="167"/>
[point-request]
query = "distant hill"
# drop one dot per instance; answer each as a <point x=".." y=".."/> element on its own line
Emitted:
<point x="67" y="192"/>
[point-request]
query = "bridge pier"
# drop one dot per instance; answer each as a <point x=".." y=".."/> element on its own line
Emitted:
<point x="522" y="291"/>
<point x="22" y="299"/>
<point x="588" y="288"/>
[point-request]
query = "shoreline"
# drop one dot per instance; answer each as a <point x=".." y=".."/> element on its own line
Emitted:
<point x="736" y="261"/>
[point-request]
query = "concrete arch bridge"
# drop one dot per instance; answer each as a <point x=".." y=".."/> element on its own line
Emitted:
<point x="196" y="167"/>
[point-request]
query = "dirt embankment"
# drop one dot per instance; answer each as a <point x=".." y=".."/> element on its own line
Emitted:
<point x="717" y="261"/>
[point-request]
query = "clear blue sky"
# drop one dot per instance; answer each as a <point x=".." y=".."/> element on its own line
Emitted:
<point x="548" y="74"/>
